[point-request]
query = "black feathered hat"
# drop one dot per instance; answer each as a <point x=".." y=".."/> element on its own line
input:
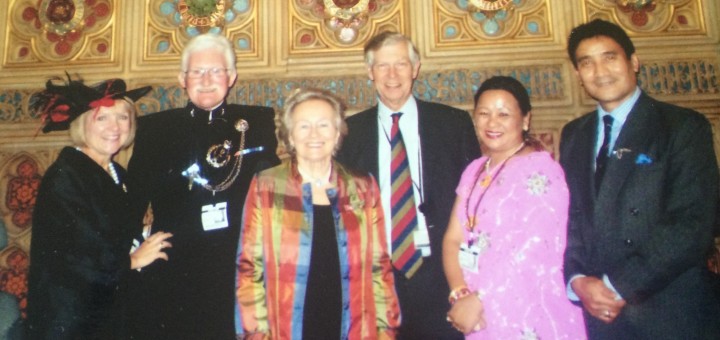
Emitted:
<point x="58" y="105"/>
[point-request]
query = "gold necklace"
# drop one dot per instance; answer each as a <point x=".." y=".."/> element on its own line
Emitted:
<point x="485" y="183"/>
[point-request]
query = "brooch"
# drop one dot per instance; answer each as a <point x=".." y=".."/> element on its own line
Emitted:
<point x="619" y="152"/>
<point x="219" y="154"/>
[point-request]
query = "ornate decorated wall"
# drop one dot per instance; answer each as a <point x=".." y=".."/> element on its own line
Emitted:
<point x="282" y="44"/>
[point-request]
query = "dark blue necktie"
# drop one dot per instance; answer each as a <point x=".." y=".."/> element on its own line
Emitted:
<point x="602" y="157"/>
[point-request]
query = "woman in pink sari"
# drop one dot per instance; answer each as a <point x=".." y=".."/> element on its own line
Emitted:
<point x="504" y="244"/>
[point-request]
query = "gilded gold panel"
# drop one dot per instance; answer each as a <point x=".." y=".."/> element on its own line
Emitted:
<point x="332" y="26"/>
<point x="169" y="24"/>
<point x="650" y="17"/>
<point x="462" y="23"/>
<point x="60" y="32"/>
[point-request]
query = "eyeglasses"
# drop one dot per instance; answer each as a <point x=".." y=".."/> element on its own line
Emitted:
<point x="215" y="72"/>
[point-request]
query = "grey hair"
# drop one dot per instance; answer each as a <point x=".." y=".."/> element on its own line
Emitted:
<point x="387" y="38"/>
<point x="209" y="41"/>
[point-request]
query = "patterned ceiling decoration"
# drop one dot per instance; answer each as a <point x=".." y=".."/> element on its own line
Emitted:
<point x="170" y="23"/>
<point x="322" y="25"/>
<point x="489" y="7"/>
<point x="471" y="22"/>
<point x="651" y="17"/>
<point x="638" y="10"/>
<point x="77" y="31"/>
<point x="202" y="15"/>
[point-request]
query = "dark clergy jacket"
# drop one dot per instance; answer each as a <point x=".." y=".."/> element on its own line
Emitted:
<point x="192" y="294"/>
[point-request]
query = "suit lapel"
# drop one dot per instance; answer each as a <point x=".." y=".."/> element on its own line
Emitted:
<point x="634" y="137"/>
<point x="425" y="118"/>
<point x="422" y="120"/>
<point x="369" y="160"/>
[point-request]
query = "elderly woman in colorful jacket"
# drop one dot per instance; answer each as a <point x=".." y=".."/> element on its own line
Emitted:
<point x="313" y="260"/>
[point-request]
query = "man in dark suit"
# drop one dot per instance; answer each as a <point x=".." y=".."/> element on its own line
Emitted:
<point x="643" y="186"/>
<point x="194" y="165"/>
<point x="440" y="142"/>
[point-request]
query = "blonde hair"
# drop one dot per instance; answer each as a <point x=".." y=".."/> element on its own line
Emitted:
<point x="77" y="126"/>
<point x="301" y="95"/>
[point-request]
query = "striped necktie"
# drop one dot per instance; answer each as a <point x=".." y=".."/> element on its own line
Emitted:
<point x="405" y="257"/>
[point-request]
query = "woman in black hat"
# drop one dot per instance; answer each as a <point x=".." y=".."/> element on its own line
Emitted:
<point x="82" y="234"/>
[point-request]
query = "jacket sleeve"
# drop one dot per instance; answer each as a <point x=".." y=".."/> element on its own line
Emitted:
<point x="143" y="169"/>
<point x="268" y="139"/>
<point x="574" y="257"/>
<point x="251" y="314"/>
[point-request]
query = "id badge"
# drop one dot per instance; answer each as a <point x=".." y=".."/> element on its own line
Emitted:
<point x="214" y="216"/>
<point x="422" y="241"/>
<point x="469" y="257"/>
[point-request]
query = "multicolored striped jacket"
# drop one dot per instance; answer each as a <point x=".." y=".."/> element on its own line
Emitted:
<point x="274" y="256"/>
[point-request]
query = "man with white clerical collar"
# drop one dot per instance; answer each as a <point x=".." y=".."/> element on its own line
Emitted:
<point x="192" y="166"/>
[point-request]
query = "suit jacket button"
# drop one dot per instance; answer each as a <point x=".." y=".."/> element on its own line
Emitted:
<point x="628" y="242"/>
<point x="634" y="211"/>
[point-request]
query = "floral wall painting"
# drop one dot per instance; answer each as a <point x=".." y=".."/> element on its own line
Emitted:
<point x="60" y="30"/>
<point x="18" y="188"/>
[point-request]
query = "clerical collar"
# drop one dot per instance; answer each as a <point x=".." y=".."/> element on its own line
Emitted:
<point x="202" y="114"/>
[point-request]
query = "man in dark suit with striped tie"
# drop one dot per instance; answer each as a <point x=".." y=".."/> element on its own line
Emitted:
<point x="417" y="150"/>
<point x="643" y="183"/>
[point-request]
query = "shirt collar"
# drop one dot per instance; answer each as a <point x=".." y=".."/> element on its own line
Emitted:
<point x="408" y="109"/>
<point x="621" y="112"/>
